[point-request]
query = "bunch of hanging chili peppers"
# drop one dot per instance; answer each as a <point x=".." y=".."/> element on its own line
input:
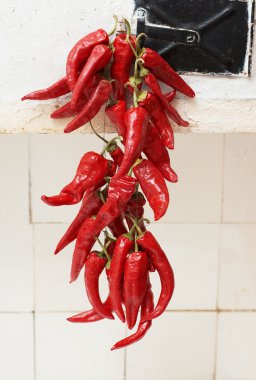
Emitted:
<point x="115" y="74"/>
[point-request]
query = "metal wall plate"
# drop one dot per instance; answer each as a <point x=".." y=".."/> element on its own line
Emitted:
<point x="201" y="36"/>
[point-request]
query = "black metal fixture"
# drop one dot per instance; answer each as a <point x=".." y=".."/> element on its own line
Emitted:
<point x="207" y="36"/>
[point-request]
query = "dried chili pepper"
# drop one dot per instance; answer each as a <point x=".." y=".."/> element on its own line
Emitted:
<point x="94" y="266"/>
<point x="119" y="193"/>
<point x="117" y="154"/>
<point x="90" y="206"/>
<point x="117" y="227"/>
<point x="136" y="120"/>
<point x="154" y="187"/>
<point x="135" y="284"/>
<point x="170" y="95"/>
<point x="158" y="117"/>
<point x="80" y="53"/>
<point x="91" y="170"/>
<point x="90" y="315"/>
<point x="116" y="113"/>
<point x="159" y="260"/>
<point x="164" y="72"/>
<point x="153" y="84"/>
<point x="54" y="91"/>
<point x="157" y="153"/>
<point x="123" y="246"/>
<point x="122" y="59"/>
<point x="68" y="111"/>
<point x="98" y="59"/>
<point x="92" y="107"/>
<point x="147" y="307"/>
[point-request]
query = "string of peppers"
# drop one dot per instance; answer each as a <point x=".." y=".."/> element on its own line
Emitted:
<point x="98" y="72"/>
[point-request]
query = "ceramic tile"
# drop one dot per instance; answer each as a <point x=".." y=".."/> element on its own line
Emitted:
<point x="237" y="288"/>
<point x="239" y="201"/>
<point x="236" y="346"/>
<point x="193" y="253"/>
<point x="14" y="191"/>
<point x="16" y="347"/>
<point x="179" y="346"/>
<point x="77" y="351"/>
<point x="16" y="269"/>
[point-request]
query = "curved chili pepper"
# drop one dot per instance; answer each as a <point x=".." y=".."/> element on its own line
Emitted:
<point x="122" y="248"/>
<point x="153" y="84"/>
<point x="157" y="153"/>
<point x="152" y="104"/>
<point x="111" y="168"/>
<point x="92" y="107"/>
<point x="90" y="315"/>
<point x="147" y="307"/>
<point x="117" y="227"/>
<point x="170" y="95"/>
<point x="94" y="266"/>
<point x="80" y="52"/>
<point x="123" y="57"/>
<point x="135" y="284"/>
<point x="163" y="71"/>
<point x="159" y="260"/>
<point x="90" y="206"/>
<point x="134" y="213"/>
<point x="117" y="154"/>
<point x="154" y="187"/>
<point x="119" y="193"/>
<point x="98" y="59"/>
<point x="54" y="91"/>
<point x="136" y="120"/>
<point x="68" y="111"/>
<point x="91" y="170"/>
<point x="116" y="113"/>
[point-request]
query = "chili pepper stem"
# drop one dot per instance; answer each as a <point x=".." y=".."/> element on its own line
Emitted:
<point x="104" y="249"/>
<point x="115" y="26"/>
<point x="98" y="135"/>
<point x="111" y="142"/>
<point x="128" y="34"/>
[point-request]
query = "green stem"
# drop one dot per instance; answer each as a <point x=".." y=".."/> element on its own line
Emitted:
<point x="115" y="26"/>
<point x="128" y="35"/>
<point x="97" y="134"/>
<point x="104" y="249"/>
<point x="138" y="43"/>
<point x="136" y="248"/>
<point x="111" y="142"/>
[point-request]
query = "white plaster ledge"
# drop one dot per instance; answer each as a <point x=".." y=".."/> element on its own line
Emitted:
<point x="204" y="115"/>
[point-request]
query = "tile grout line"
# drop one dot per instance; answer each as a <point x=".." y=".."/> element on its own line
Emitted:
<point x="216" y="345"/>
<point x="29" y="183"/>
<point x="222" y="177"/>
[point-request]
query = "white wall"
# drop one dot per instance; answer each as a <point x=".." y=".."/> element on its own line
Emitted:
<point x="35" y="38"/>
<point x="209" y="234"/>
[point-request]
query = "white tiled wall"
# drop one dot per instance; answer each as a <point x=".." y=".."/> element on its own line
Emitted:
<point x="209" y="234"/>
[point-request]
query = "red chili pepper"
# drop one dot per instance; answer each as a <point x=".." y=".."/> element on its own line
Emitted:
<point x="68" y="111"/>
<point x="90" y="315"/>
<point x="135" y="284"/>
<point x="157" y="153"/>
<point x="54" y="91"/>
<point x="90" y="206"/>
<point x="117" y="154"/>
<point x="153" y="84"/>
<point x="154" y="187"/>
<point x="116" y="113"/>
<point x="136" y="213"/>
<point x="91" y="170"/>
<point x="99" y="58"/>
<point x="163" y="71"/>
<point x="159" y="260"/>
<point x="122" y="248"/>
<point x="80" y="52"/>
<point x="136" y="120"/>
<point x="92" y="107"/>
<point x="84" y="243"/>
<point x="119" y="193"/>
<point x="147" y="307"/>
<point x="94" y="266"/>
<point x="152" y="104"/>
<point x="170" y="95"/>
<point x="123" y="57"/>
<point x="117" y="227"/>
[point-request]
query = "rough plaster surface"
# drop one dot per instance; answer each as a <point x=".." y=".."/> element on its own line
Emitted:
<point x="35" y="38"/>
